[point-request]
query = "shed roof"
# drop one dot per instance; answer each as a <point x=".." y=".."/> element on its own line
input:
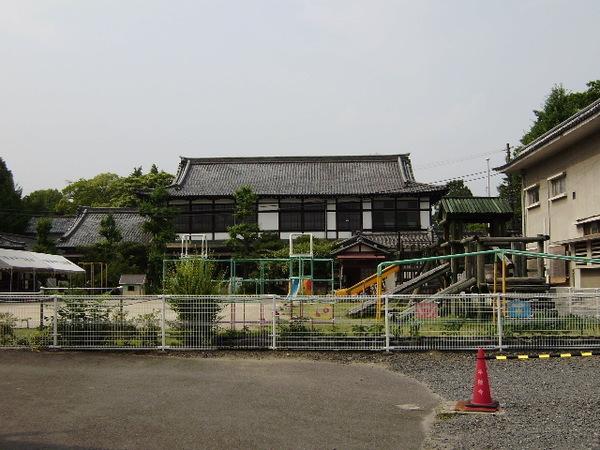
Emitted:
<point x="85" y="230"/>
<point x="476" y="206"/>
<point x="21" y="260"/>
<point x="132" y="279"/>
<point x="299" y="175"/>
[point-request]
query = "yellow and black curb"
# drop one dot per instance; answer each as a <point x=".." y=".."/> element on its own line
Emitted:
<point x="543" y="355"/>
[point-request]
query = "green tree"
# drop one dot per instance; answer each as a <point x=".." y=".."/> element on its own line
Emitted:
<point x="11" y="218"/>
<point x="97" y="191"/>
<point x="458" y="188"/>
<point x="559" y="105"/>
<point x="109" y="189"/>
<point x="109" y="230"/>
<point x="42" y="201"/>
<point x="159" y="224"/>
<point x="245" y="234"/>
<point x="44" y="244"/>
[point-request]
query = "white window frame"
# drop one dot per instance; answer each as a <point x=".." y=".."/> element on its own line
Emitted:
<point x="553" y="179"/>
<point x="529" y="188"/>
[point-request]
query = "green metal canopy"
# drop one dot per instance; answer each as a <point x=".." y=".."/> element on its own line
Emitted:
<point x="475" y="205"/>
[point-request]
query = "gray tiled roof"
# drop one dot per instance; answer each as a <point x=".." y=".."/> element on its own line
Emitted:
<point x="13" y="241"/>
<point x="60" y="225"/>
<point x="85" y="230"/>
<point x="314" y="175"/>
<point x="390" y="242"/>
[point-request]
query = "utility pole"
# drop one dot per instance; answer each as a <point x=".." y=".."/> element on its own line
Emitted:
<point x="489" y="189"/>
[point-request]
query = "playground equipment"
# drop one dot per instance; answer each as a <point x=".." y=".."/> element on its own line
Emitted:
<point x="188" y="238"/>
<point x="369" y="284"/>
<point x="301" y="280"/>
<point x="500" y="255"/>
<point x="299" y="274"/>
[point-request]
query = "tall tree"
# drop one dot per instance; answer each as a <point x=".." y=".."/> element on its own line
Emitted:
<point x="109" y="230"/>
<point x="245" y="234"/>
<point x="44" y="244"/>
<point x="11" y="218"/>
<point x="458" y="188"/>
<point x="159" y="224"/>
<point x="559" y="105"/>
<point x="42" y="201"/>
<point x="109" y="189"/>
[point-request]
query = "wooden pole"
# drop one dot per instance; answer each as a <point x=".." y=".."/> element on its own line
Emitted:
<point x="540" y="261"/>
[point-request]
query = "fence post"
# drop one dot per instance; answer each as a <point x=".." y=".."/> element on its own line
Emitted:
<point x="55" y="323"/>
<point x="273" y="324"/>
<point x="163" y="336"/>
<point x="499" y="316"/>
<point x="387" y="324"/>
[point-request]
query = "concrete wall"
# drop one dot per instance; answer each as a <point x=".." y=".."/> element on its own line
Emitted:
<point x="581" y="163"/>
<point x="558" y="217"/>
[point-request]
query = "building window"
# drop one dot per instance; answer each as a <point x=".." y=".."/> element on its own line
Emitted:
<point x="349" y="215"/>
<point x="181" y="221"/>
<point x="396" y="214"/>
<point x="591" y="227"/>
<point x="290" y="215"/>
<point x="558" y="186"/>
<point x="533" y="196"/>
<point x="314" y="215"/>
<point x="202" y="217"/>
<point x="302" y="215"/>
<point x="223" y="216"/>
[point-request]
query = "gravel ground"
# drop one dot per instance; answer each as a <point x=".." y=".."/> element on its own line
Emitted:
<point x="547" y="404"/>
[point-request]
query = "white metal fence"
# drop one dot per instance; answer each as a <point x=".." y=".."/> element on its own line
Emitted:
<point x="405" y="322"/>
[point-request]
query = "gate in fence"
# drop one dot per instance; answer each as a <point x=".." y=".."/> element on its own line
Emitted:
<point x="409" y="322"/>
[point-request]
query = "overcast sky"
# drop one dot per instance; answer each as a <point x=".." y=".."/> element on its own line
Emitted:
<point x="95" y="86"/>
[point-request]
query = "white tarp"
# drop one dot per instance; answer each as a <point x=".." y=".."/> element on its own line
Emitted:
<point x="20" y="260"/>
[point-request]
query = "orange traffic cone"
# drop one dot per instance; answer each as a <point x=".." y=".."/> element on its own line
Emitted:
<point x="481" y="399"/>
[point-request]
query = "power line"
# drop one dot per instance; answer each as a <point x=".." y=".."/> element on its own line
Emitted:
<point x="457" y="160"/>
<point x="466" y="178"/>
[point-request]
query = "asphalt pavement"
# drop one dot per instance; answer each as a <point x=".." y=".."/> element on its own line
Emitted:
<point x="92" y="400"/>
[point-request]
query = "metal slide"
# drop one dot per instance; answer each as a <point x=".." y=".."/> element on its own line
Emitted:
<point x="407" y="286"/>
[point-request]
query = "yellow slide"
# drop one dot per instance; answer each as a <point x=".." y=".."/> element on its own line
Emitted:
<point x="370" y="282"/>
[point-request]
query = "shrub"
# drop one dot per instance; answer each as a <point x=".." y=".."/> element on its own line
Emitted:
<point x="8" y="322"/>
<point x="83" y="323"/>
<point x="197" y="315"/>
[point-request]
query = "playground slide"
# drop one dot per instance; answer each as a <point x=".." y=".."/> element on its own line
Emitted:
<point x="406" y="287"/>
<point x="414" y="283"/>
<point x="455" y="288"/>
<point x="370" y="282"/>
<point x="294" y="288"/>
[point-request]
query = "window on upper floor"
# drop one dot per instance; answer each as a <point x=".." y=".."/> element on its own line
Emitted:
<point x="533" y="196"/>
<point x="349" y="215"/>
<point x="558" y="186"/>
<point x="302" y="215"/>
<point x="591" y="227"/>
<point x="396" y="214"/>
